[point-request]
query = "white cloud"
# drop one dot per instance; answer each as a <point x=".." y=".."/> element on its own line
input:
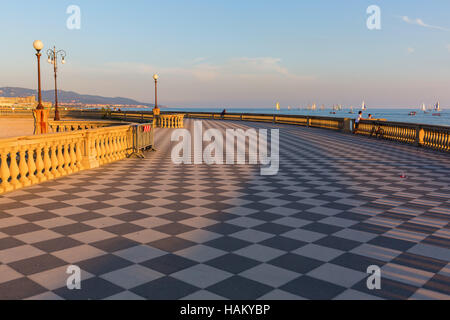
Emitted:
<point x="258" y="65"/>
<point x="421" y="23"/>
<point x="242" y="67"/>
<point x="199" y="60"/>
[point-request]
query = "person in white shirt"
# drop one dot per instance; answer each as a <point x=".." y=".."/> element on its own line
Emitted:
<point x="357" y="121"/>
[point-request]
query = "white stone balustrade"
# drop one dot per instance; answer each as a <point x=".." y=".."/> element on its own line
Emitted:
<point x="26" y="161"/>
<point x="74" y="125"/>
<point x="172" y="121"/>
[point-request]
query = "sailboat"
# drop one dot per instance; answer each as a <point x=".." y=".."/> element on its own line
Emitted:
<point x="314" y="107"/>
<point x="322" y="107"/>
<point x="424" y="108"/>
<point x="437" y="107"/>
<point x="278" y="106"/>
<point x="363" y="106"/>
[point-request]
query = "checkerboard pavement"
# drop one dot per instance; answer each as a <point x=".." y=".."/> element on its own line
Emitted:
<point x="150" y="229"/>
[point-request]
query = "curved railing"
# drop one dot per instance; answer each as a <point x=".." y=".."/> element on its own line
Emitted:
<point x="430" y="136"/>
<point x="342" y="124"/>
<point x="338" y="124"/>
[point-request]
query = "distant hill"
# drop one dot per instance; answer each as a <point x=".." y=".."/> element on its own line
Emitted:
<point x="69" y="97"/>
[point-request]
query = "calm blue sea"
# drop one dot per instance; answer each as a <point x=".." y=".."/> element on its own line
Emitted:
<point x="400" y="115"/>
<point x="390" y="114"/>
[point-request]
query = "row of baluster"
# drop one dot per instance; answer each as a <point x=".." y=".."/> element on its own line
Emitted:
<point x="25" y="163"/>
<point x="171" y="121"/>
<point x="28" y="164"/>
<point x="109" y="146"/>
<point x="324" y="123"/>
<point x="437" y="139"/>
<point x="403" y="134"/>
<point x="74" y="127"/>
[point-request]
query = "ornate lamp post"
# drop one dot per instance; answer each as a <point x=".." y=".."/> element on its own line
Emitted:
<point x="40" y="114"/>
<point x="156" y="77"/>
<point x="53" y="56"/>
<point x="38" y="45"/>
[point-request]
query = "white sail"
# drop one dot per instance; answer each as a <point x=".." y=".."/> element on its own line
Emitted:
<point x="437" y="107"/>
<point x="424" y="108"/>
<point x="363" y="106"/>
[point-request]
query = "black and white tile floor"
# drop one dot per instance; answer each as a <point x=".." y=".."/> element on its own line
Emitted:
<point x="150" y="229"/>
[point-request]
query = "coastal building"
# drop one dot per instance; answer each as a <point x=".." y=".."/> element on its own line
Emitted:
<point x="21" y="102"/>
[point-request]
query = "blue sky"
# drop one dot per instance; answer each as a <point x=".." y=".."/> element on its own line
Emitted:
<point x="237" y="53"/>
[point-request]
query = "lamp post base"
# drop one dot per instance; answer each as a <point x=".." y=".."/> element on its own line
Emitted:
<point x="57" y="117"/>
<point x="40" y="121"/>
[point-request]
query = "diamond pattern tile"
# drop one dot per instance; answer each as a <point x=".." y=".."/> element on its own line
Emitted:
<point x="150" y="229"/>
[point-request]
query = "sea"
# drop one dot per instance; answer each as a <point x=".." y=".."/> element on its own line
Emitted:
<point x="390" y="114"/>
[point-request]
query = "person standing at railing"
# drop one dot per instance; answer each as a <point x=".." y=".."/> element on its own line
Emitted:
<point x="358" y="119"/>
<point x="223" y="113"/>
